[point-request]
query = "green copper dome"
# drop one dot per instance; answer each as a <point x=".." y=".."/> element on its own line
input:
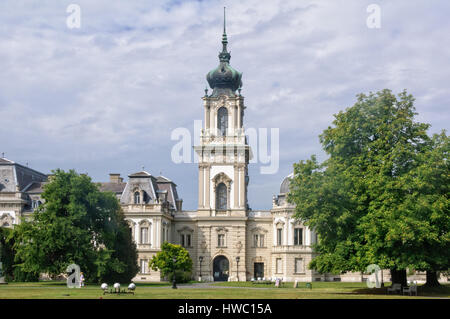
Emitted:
<point x="224" y="79"/>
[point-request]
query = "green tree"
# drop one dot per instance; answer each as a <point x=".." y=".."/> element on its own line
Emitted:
<point x="7" y="257"/>
<point x="361" y="199"/>
<point x="427" y="203"/>
<point x="163" y="261"/>
<point x="76" y="224"/>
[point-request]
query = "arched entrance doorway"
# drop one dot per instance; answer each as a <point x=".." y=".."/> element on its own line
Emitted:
<point x="221" y="267"/>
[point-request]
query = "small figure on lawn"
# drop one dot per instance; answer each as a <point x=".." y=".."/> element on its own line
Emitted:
<point x="81" y="280"/>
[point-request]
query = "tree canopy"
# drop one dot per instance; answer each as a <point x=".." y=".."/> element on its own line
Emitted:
<point x="79" y="224"/>
<point x="381" y="196"/>
<point x="164" y="260"/>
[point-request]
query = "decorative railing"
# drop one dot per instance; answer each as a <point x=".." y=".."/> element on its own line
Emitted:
<point x="291" y="248"/>
<point x="260" y="213"/>
<point x="144" y="246"/>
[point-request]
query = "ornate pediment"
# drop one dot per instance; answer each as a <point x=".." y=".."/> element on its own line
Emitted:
<point x="279" y="222"/>
<point x="145" y="223"/>
<point x="259" y="229"/>
<point x="185" y="229"/>
<point x="222" y="178"/>
<point x="221" y="230"/>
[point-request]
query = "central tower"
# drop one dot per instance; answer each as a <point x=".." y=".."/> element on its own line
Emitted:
<point x="223" y="151"/>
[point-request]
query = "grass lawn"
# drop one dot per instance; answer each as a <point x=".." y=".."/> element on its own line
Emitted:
<point x="225" y="290"/>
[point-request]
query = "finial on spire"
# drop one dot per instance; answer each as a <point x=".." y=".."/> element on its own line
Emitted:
<point x="224" y="30"/>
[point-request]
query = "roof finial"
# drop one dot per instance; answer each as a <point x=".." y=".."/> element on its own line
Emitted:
<point x="224" y="30"/>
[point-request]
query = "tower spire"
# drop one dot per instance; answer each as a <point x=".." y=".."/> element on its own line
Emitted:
<point x="224" y="56"/>
<point x="224" y="30"/>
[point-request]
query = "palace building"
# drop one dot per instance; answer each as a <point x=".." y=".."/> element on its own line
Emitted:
<point x="225" y="239"/>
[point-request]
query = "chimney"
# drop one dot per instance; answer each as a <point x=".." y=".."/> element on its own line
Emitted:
<point x="179" y="203"/>
<point x="115" y="178"/>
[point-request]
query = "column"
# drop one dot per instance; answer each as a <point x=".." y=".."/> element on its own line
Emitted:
<point x="239" y="115"/>
<point x="207" y="116"/>
<point x="241" y="187"/>
<point x="201" y="179"/>
<point x="286" y="230"/>
<point x="274" y="235"/>
<point x="236" y="116"/>
<point x="208" y="187"/>
<point x="236" y="186"/>
<point x="212" y="121"/>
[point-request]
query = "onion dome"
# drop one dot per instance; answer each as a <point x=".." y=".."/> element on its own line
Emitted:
<point x="224" y="79"/>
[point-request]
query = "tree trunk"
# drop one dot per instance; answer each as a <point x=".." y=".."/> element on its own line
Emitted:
<point x="398" y="277"/>
<point x="432" y="279"/>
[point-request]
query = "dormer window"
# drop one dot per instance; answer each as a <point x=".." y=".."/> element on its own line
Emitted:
<point x="35" y="204"/>
<point x="137" y="198"/>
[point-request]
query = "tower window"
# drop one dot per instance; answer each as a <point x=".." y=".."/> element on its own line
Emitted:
<point x="222" y="121"/>
<point x="221" y="197"/>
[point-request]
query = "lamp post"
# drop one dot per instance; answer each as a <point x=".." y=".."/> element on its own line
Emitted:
<point x="174" y="283"/>
<point x="237" y="267"/>
<point x="200" y="259"/>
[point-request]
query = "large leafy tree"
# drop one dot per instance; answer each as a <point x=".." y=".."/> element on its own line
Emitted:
<point x="77" y="224"/>
<point x="377" y="199"/>
<point x="164" y="260"/>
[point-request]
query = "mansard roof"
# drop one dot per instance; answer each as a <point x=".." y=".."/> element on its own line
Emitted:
<point x="35" y="188"/>
<point x="117" y="188"/>
<point x="5" y="161"/>
<point x="140" y="174"/>
<point x="162" y="179"/>
<point x="16" y="176"/>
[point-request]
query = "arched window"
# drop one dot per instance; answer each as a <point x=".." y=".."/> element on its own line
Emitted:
<point x="137" y="198"/>
<point x="221" y="197"/>
<point x="222" y="121"/>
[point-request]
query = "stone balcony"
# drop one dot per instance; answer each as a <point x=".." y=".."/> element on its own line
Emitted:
<point x="142" y="208"/>
<point x="144" y="246"/>
<point x="291" y="249"/>
<point x="209" y="136"/>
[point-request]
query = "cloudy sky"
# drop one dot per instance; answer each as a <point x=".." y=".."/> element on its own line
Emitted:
<point x="105" y="97"/>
